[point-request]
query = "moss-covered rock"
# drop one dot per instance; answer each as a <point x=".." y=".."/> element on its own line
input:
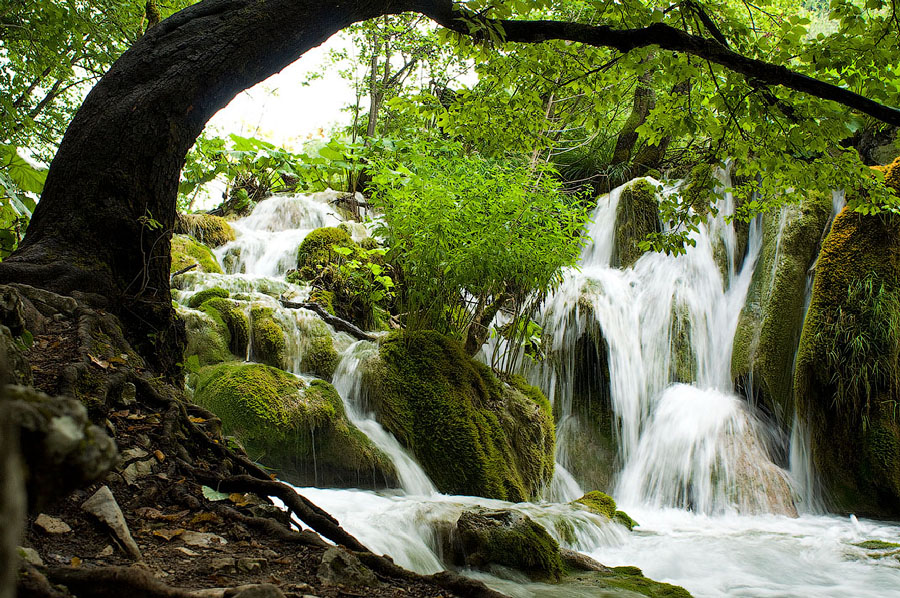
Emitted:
<point x="769" y="326"/>
<point x="697" y="189"/>
<point x="199" y="298"/>
<point x="847" y="375"/>
<point x="603" y="504"/>
<point x="506" y="537"/>
<point x="230" y="315"/>
<point x="207" y="338"/>
<point x="891" y="173"/>
<point x="300" y="430"/>
<point x="637" y="215"/>
<point x="268" y="343"/>
<point x="208" y="229"/>
<point x="319" y="357"/>
<point x="619" y="581"/>
<point x="472" y="433"/>
<point x="186" y="251"/>
<point x="316" y="251"/>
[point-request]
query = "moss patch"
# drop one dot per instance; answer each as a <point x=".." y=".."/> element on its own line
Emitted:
<point x="471" y="433"/>
<point x="846" y="378"/>
<point x="877" y="545"/>
<point x="208" y="229"/>
<point x="316" y="250"/>
<point x="637" y="215"/>
<point x="603" y="504"/>
<point x="231" y="315"/>
<point x="207" y="338"/>
<point x="771" y="320"/>
<point x="268" y="337"/>
<point x="188" y="252"/>
<point x="298" y="429"/>
<point x="320" y="357"/>
<point x="198" y="299"/>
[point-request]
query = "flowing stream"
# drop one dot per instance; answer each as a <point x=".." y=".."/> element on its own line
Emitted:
<point x="693" y="465"/>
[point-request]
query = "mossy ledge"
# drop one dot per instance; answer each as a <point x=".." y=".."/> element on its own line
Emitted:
<point x="187" y="251"/>
<point x="298" y="429"/>
<point x="637" y="215"/>
<point x="846" y="378"/>
<point x="472" y="433"/>
<point x="207" y="228"/>
<point x="600" y="503"/>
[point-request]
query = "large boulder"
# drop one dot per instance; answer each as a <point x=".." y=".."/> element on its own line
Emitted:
<point x="847" y="378"/>
<point x="299" y="429"/>
<point x="472" y="433"/>
<point x="637" y="215"/>
<point x="769" y="327"/>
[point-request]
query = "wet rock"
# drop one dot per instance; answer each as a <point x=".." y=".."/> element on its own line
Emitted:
<point x="52" y="525"/>
<point x="104" y="507"/>
<point x="581" y="562"/>
<point x="339" y="567"/>
<point x="486" y="537"/>
<point x="141" y="464"/>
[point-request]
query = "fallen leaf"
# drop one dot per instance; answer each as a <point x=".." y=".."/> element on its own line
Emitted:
<point x="100" y="362"/>
<point x="239" y="499"/>
<point x="159" y="455"/>
<point x="210" y="494"/>
<point x="197" y="420"/>
<point x="75" y="562"/>
<point x="168" y="534"/>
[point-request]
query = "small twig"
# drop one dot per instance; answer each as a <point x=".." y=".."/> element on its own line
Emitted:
<point x="183" y="270"/>
<point x="337" y="323"/>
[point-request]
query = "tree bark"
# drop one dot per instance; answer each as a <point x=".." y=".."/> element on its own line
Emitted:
<point x="103" y="225"/>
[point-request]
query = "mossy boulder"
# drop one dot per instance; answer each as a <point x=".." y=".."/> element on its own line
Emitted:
<point x="847" y="378"/>
<point x="603" y="504"/>
<point x="230" y="315"/>
<point x="207" y="338"/>
<point x="187" y="251"/>
<point x="319" y="357"/>
<point x="317" y="250"/>
<point x="485" y="537"/>
<point x="891" y="173"/>
<point x="771" y="320"/>
<point x="472" y="433"/>
<point x="199" y="298"/>
<point x="618" y="581"/>
<point x="301" y="430"/>
<point x="637" y="215"/>
<point x="267" y="335"/>
<point x="208" y="229"/>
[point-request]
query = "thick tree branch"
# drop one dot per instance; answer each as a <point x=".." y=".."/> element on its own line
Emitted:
<point x="668" y="38"/>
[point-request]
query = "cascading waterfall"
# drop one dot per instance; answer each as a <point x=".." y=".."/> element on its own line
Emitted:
<point x="692" y="445"/>
<point x="693" y="462"/>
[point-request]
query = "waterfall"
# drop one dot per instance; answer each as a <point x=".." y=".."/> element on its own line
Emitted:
<point x="685" y="439"/>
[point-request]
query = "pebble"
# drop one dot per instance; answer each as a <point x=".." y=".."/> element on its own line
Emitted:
<point x="201" y="539"/>
<point x="30" y="556"/>
<point x="251" y="565"/>
<point x="52" y="525"/>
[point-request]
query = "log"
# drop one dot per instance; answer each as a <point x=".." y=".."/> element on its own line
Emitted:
<point x="337" y="323"/>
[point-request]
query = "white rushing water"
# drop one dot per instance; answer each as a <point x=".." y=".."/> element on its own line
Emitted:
<point x="695" y="466"/>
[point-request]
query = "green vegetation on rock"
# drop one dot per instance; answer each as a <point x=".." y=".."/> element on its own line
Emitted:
<point x="770" y="323"/>
<point x="285" y="424"/>
<point x="198" y="299"/>
<point x="186" y="251"/>
<point x="602" y="504"/>
<point x="471" y="433"/>
<point x="509" y="538"/>
<point x="206" y="228"/>
<point x="232" y="317"/>
<point x="320" y="358"/>
<point x="637" y="215"/>
<point x="267" y="336"/>
<point x="317" y="250"/>
<point x="207" y="338"/>
<point x="847" y="374"/>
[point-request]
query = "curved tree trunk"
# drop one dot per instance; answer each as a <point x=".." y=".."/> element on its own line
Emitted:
<point x="105" y="219"/>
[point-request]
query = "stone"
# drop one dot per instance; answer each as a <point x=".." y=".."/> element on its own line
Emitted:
<point x="136" y="470"/>
<point x="339" y="567"/>
<point x="263" y="590"/>
<point x="251" y="565"/>
<point x="108" y="550"/>
<point x="221" y="565"/>
<point x="104" y="507"/>
<point x="30" y="556"/>
<point x="52" y="525"/>
<point x="202" y="539"/>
